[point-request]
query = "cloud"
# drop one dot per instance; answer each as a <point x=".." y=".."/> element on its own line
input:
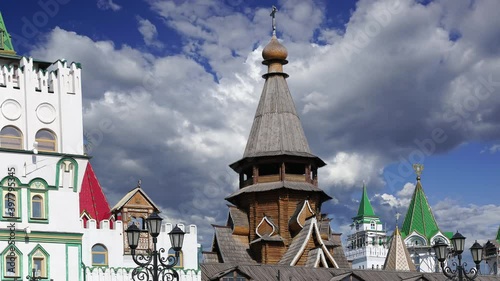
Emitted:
<point x="108" y="5"/>
<point x="369" y="96"/>
<point x="492" y="149"/>
<point x="149" y="33"/>
<point x="476" y="222"/>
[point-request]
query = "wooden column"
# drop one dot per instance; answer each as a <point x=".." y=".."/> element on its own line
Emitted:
<point x="255" y="172"/>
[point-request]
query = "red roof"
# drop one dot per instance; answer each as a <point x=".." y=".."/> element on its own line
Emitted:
<point x="92" y="199"/>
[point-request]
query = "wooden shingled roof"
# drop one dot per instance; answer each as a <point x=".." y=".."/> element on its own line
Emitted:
<point x="276" y="128"/>
<point x="230" y="249"/>
<point x="263" y="272"/>
<point x="398" y="257"/>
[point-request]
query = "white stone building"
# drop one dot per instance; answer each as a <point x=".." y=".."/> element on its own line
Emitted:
<point x="367" y="245"/>
<point x="54" y="217"/>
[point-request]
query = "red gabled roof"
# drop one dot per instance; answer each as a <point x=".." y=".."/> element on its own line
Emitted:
<point x="92" y="199"/>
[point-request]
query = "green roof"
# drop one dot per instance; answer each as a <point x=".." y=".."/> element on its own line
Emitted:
<point x="419" y="217"/>
<point x="498" y="235"/>
<point x="365" y="207"/>
<point x="5" y="42"/>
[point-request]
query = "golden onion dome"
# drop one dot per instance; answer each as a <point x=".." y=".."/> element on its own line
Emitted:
<point x="274" y="50"/>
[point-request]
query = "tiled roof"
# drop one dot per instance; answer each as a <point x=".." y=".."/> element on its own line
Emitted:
<point x="263" y="272"/>
<point x="92" y="198"/>
<point x="498" y="235"/>
<point x="7" y="43"/>
<point x="419" y="217"/>
<point x="398" y="257"/>
<point x="365" y="207"/>
<point x="230" y="249"/>
<point x="239" y="220"/>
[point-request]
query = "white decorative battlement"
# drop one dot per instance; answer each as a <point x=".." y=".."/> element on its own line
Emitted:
<point x="118" y="226"/>
<point x="104" y="225"/>
<point x="61" y="79"/>
<point x="191" y="229"/>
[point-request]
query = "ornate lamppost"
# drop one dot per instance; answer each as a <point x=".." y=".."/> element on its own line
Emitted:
<point x="459" y="273"/>
<point x="155" y="265"/>
<point x="33" y="276"/>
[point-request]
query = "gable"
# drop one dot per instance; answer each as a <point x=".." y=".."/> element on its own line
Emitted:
<point x="138" y="200"/>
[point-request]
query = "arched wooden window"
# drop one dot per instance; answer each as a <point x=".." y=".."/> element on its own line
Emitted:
<point x="37" y="207"/>
<point x="99" y="255"/>
<point x="10" y="205"/>
<point x="46" y="140"/>
<point x="11" y="137"/>
<point x="180" y="261"/>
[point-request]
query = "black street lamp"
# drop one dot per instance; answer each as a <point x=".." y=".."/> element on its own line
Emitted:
<point x="33" y="276"/>
<point x="459" y="273"/>
<point x="152" y="265"/>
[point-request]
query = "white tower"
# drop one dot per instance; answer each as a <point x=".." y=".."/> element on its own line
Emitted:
<point x="367" y="246"/>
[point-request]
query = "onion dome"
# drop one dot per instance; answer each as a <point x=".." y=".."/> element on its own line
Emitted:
<point x="274" y="50"/>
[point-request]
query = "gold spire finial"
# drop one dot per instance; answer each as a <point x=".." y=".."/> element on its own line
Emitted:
<point x="418" y="170"/>
<point x="397" y="218"/>
<point x="273" y="15"/>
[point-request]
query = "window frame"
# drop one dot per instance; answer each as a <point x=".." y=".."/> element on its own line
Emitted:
<point x="7" y="207"/>
<point x="7" y="254"/>
<point x="105" y="253"/>
<point x="45" y="140"/>
<point x="38" y="187"/>
<point x="20" y="137"/>
<point x="39" y="200"/>
<point x="39" y="253"/>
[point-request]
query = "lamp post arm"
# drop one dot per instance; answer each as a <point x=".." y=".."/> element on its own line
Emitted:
<point x="169" y="261"/>
<point x="448" y="272"/>
<point x="141" y="259"/>
<point x="472" y="274"/>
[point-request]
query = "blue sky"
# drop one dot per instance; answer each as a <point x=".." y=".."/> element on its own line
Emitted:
<point x="377" y="84"/>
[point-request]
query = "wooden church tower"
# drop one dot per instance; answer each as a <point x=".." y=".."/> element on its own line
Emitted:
<point x="276" y="213"/>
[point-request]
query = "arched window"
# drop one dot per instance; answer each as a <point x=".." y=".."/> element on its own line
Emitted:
<point x="37" y="207"/>
<point x="180" y="261"/>
<point x="99" y="255"/>
<point x="46" y="140"/>
<point x="11" y="137"/>
<point x="372" y="225"/>
<point x="10" y="204"/>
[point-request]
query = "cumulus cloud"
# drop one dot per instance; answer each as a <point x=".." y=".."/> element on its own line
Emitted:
<point x="149" y="33"/>
<point x="108" y="5"/>
<point x="370" y="95"/>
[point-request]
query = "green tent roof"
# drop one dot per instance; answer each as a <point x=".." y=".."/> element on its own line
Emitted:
<point x="365" y="207"/>
<point x="5" y="42"/>
<point x="498" y="235"/>
<point x="419" y="217"/>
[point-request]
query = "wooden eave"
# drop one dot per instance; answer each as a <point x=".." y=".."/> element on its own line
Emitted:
<point x="277" y="157"/>
<point x="273" y="186"/>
